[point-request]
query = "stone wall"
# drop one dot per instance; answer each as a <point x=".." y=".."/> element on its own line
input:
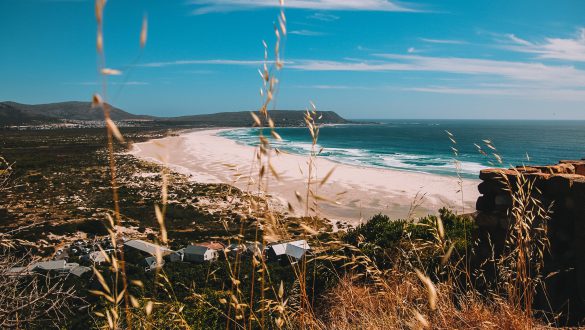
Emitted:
<point x="563" y="187"/>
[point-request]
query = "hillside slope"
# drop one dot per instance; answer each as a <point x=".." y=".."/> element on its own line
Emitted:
<point x="73" y="110"/>
<point x="12" y="113"/>
<point x="243" y="118"/>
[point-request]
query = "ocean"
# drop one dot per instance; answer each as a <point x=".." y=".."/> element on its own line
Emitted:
<point x="424" y="145"/>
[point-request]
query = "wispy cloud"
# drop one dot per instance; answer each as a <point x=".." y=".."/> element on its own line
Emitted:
<point x="514" y="78"/>
<point x="443" y="41"/>
<point x="525" y="92"/>
<point x="568" y="49"/>
<point x="537" y="73"/>
<point x="534" y="72"/>
<point x="211" y="6"/>
<point x="307" y="33"/>
<point x="202" y="62"/>
<point x="324" y="17"/>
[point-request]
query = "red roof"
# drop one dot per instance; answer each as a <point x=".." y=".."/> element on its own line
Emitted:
<point x="212" y="245"/>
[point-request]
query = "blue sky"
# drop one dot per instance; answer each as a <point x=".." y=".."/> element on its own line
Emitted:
<point x="361" y="58"/>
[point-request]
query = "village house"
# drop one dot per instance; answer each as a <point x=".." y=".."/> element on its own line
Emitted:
<point x="145" y="253"/>
<point x="54" y="267"/>
<point x="202" y="252"/>
<point x="97" y="257"/>
<point x="288" y="251"/>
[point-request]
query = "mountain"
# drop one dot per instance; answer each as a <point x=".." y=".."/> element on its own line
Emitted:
<point x="17" y="113"/>
<point x="12" y="113"/>
<point x="243" y="118"/>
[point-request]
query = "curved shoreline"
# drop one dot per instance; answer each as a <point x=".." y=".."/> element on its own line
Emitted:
<point x="464" y="170"/>
<point x="362" y="191"/>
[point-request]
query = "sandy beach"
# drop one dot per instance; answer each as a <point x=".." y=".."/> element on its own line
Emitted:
<point x="360" y="191"/>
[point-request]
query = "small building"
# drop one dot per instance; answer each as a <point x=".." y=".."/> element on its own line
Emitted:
<point x="276" y="251"/>
<point x="54" y="267"/>
<point x="199" y="254"/>
<point x="288" y="251"/>
<point x="57" y="266"/>
<point x="150" y="263"/>
<point x="96" y="257"/>
<point x="145" y="253"/>
<point x="79" y="270"/>
<point x="147" y="247"/>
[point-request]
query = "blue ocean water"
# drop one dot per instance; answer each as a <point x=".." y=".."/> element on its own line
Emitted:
<point x="424" y="145"/>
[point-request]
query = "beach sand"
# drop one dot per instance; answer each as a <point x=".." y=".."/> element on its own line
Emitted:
<point x="360" y="191"/>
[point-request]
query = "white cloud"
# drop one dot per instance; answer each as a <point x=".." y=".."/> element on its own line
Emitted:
<point x="202" y="62"/>
<point x="525" y="92"/>
<point x="537" y="73"/>
<point x="518" y="40"/>
<point x="324" y="17"/>
<point x="307" y="33"/>
<point x="514" y="78"/>
<point x="211" y="6"/>
<point x="443" y="41"/>
<point x="570" y="49"/>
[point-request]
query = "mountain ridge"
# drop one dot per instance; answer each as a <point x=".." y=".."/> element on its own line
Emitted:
<point x="13" y="113"/>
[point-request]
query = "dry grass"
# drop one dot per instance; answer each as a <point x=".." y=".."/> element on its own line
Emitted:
<point x="36" y="301"/>
<point x="403" y="304"/>
<point x="366" y="297"/>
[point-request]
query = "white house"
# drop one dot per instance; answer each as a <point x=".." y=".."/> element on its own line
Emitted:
<point x="50" y="267"/>
<point x="292" y="251"/>
<point x="198" y="253"/>
<point x="150" y="263"/>
<point x="147" y="247"/>
<point x="147" y="253"/>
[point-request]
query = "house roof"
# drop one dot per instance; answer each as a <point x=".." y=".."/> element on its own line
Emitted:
<point x="19" y="271"/>
<point x="150" y="261"/>
<point x="50" y="265"/>
<point x="54" y="265"/>
<point x="282" y="248"/>
<point x="212" y="245"/>
<point x="279" y="249"/>
<point x="301" y="243"/>
<point x="97" y="256"/>
<point x="196" y="249"/>
<point x="79" y="270"/>
<point x="148" y="247"/>
<point x="295" y="251"/>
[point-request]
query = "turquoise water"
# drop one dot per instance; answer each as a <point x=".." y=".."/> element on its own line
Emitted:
<point x="424" y="146"/>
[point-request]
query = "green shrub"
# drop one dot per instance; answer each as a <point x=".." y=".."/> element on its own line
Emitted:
<point x="382" y="238"/>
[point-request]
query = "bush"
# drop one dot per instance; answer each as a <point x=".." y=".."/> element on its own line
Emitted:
<point x="383" y="239"/>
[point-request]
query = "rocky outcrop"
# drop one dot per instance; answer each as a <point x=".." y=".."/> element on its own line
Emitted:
<point x="562" y="188"/>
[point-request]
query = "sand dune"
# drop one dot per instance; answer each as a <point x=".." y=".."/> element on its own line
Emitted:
<point x="361" y="191"/>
